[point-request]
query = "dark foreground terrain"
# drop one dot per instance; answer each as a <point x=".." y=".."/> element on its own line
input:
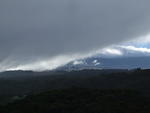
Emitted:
<point x="78" y="100"/>
<point x="86" y="91"/>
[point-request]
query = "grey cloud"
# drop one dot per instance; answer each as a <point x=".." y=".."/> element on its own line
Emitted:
<point x="47" y="28"/>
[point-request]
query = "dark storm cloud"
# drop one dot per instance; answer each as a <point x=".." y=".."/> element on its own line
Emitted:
<point x="46" y="28"/>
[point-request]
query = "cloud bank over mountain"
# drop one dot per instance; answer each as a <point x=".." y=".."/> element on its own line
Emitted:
<point x="35" y="31"/>
<point x="123" y="56"/>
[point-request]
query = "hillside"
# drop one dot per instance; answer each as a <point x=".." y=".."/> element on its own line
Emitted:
<point x="107" y="91"/>
<point x="79" y="100"/>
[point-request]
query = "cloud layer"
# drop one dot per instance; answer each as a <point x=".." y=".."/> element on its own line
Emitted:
<point x="37" y="30"/>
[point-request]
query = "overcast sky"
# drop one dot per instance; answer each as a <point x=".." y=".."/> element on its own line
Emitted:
<point x="48" y="29"/>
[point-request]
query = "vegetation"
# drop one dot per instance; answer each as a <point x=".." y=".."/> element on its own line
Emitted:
<point x="78" y="100"/>
<point x="86" y="91"/>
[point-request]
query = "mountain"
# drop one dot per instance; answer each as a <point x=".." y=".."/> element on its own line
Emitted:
<point x="108" y="63"/>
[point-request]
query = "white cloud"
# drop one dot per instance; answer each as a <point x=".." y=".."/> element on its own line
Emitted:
<point x="111" y="51"/>
<point x="53" y="63"/>
<point x="39" y="65"/>
<point x="136" y="49"/>
<point x="77" y="62"/>
<point x="123" y="50"/>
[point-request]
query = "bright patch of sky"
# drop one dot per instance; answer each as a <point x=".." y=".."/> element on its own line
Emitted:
<point x="141" y="42"/>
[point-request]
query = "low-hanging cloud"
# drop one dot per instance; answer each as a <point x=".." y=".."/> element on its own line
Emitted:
<point x="41" y="29"/>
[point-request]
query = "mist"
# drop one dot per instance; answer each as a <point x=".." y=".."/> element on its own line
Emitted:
<point x="33" y="31"/>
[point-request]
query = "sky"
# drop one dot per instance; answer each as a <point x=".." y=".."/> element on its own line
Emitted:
<point x="44" y="34"/>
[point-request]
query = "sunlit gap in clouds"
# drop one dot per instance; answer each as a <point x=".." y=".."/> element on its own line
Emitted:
<point x="143" y="41"/>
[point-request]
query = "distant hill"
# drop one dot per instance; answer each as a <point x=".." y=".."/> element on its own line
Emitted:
<point x="108" y="63"/>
